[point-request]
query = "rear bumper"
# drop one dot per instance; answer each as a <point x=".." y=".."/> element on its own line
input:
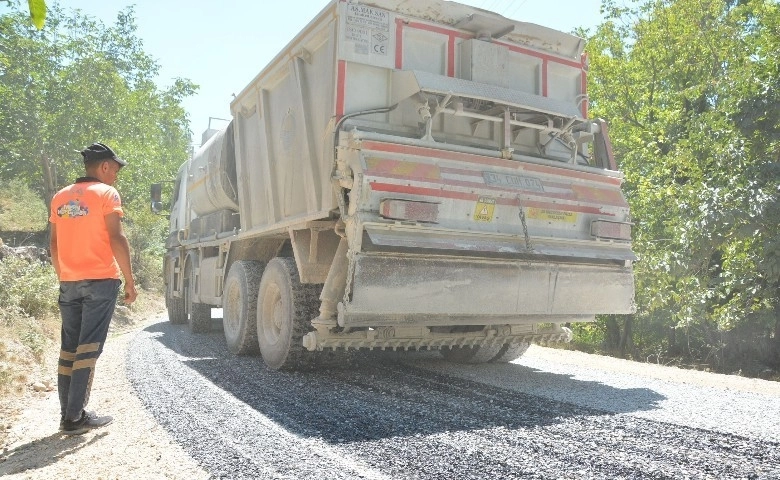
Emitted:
<point x="396" y="290"/>
<point x="383" y="239"/>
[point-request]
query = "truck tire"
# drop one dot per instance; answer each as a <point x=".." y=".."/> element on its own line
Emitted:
<point x="471" y="354"/>
<point x="199" y="314"/>
<point x="239" y="307"/>
<point x="177" y="310"/>
<point x="285" y="308"/>
<point x="510" y="352"/>
<point x="200" y="318"/>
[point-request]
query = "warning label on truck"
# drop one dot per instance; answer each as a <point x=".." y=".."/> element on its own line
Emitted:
<point x="484" y="209"/>
<point x="552" y="215"/>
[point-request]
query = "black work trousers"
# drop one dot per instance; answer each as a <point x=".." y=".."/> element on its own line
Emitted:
<point x="86" y="307"/>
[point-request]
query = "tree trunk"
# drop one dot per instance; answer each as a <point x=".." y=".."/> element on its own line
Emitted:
<point x="775" y="353"/>
<point x="627" y="337"/>
<point x="49" y="187"/>
<point x="673" y="348"/>
<point x="612" y="337"/>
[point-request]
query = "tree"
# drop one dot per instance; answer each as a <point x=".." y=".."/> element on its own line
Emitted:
<point x="685" y="83"/>
<point x="78" y="81"/>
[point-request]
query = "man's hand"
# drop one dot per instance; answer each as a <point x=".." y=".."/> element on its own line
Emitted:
<point x="121" y="249"/>
<point x="130" y="293"/>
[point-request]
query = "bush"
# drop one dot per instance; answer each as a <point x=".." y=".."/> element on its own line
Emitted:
<point x="35" y="340"/>
<point x="146" y="233"/>
<point x="148" y="270"/>
<point x="588" y="336"/>
<point x="29" y="288"/>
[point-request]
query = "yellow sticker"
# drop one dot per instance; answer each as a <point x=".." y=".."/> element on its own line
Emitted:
<point x="484" y="210"/>
<point x="552" y="215"/>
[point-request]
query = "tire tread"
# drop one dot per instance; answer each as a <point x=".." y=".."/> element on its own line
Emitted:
<point x="248" y="273"/>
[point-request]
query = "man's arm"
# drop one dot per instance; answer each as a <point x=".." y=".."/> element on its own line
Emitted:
<point x="55" y="259"/>
<point x="121" y="248"/>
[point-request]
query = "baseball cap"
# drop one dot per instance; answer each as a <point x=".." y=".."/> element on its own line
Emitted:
<point x="100" y="151"/>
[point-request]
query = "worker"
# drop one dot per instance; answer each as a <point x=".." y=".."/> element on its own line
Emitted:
<point x="88" y="250"/>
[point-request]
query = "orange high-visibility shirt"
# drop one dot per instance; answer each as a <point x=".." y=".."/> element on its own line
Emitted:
<point x="83" y="245"/>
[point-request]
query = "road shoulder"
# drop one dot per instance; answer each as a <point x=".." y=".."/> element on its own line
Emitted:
<point x="133" y="446"/>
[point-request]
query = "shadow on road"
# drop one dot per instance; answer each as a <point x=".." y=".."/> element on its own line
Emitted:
<point x="380" y="396"/>
<point x="43" y="452"/>
<point x="534" y="381"/>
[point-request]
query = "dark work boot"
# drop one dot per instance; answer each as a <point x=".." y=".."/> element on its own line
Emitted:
<point x="87" y="422"/>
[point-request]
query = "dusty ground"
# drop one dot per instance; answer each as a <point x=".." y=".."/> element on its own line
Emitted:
<point x="133" y="446"/>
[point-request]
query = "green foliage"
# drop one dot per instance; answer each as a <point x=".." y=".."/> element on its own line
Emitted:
<point x="588" y="337"/>
<point x="37" y="12"/>
<point x="35" y="341"/>
<point x="75" y="82"/>
<point x="78" y="81"/>
<point x="690" y="88"/>
<point x="21" y="209"/>
<point x="146" y="234"/>
<point x="29" y="288"/>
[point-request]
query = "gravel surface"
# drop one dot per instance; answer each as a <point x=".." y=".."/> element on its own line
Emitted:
<point x="554" y="414"/>
<point x="720" y="403"/>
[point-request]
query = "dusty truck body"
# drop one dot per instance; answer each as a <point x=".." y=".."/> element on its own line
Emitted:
<point x="404" y="175"/>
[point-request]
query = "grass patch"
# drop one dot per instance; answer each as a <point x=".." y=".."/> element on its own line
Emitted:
<point x="21" y="209"/>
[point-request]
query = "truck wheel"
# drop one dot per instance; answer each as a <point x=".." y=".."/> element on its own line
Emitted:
<point x="510" y="352"/>
<point x="239" y="307"/>
<point x="177" y="310"/>
<point x="471" y="354"/>
<point x="285" y="308"/>
<point x="199" y="318"/>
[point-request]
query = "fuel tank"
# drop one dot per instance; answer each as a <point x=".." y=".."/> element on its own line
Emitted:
<point x="211" y="176"/>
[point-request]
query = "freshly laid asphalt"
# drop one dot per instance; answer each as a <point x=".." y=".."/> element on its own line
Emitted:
<point x="413" y="416"/>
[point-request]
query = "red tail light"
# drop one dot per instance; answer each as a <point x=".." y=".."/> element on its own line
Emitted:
<point x="396" y="209"/>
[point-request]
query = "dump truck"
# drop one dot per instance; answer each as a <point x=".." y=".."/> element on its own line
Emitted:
<point x="404" y="175"/>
